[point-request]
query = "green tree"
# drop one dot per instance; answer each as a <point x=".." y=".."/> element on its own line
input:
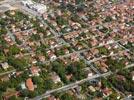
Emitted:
<point x="24" y="93"/>
<point x="37" y="80"/>
<point x="2" y="22"/>
<point x="3" y="31"/>
<point x="103" y="50"/>
<point x="48" y="84"/>
<point x="67" y="96"/>
<point x="13" y="98"/>
<point x="18" y="63"/>
<point x="13" y="50"/>
<point x="32" y="94"/>
<point x="61" y="21"/>
<point x="79" y="1"/>
<point x="35" y="37"/>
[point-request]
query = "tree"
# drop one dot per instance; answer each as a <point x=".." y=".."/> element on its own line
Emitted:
<point x="2" y="57"/>
<point x="32" y="94"/>
<point x="13" y="50"/>
<point x="37" y="80"/>
<point x="1" y="95"/>
<point x="13" y="98"/>
<point x="24" y="93"/>
<point x="35" y="37"/>
<point x="2" y="22"/>
<point x="18" y="63"/>
<point x="59" y="68"/>
<point x="79" y="1"/>
<point x="113" y="96"/>
<point x="108" y="19"/>
<point x="71" y="69"/>
<point x="79" y="74"/>
<point x="25" y="75"/>
<point x="103" y="50"/>
<point x="71" y="8"/>
<point x="67" y="96"/>
<point x="3" y="31"/>
<point x="115" y="64"/>
<point x="48" y="84"/>
<point x="4" y="86"/>
<point x="75" y="18"/>
<point x="61" y="21"/>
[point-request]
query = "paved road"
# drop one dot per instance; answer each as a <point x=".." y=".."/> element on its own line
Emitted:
<point x="8" y="72"/>
<point x="129" y="98"/>
<point x="125" y="48"/>
<point x="10" y="34"/>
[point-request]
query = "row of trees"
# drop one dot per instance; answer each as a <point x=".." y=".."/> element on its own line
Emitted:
<point x="18" y="63"/>
<point x="115" y="64"/>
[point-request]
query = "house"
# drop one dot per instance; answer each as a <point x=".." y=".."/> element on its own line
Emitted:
<point x="18" y="73"/>
<point x="121" y="77"/>
<point x="55" y="77"/>
<point x="92" y="89"/>
<point x="102" y="66"/>
<point x="52" y="43"/>
<point x="94" y="42"/>
<point x="69" y="76"/>
<point x="89" y="72"/>
<point x="103" y="69"/>
<point x="52" y="98"/>
<point x="66" y="51"/>
<point x="94" y="51"/>
<point x="34" y="61"/>
<point x="5" y="65"/>
<point x="79" y="46"/>
<point x="45" y="16"/>
<point x="41" y="58"/>
<point x="48" y="33"/>
<point x="51" y="55"/>
<point x="88" y="55"/>
<point x="74" y="57"/>
<point x="106" y="92"/>
<point x="29" y="84"/>
<point x="35" y="71"/>
<point x="76" y="26"/>
<point x="12" y="12"/>
<point x="64" y="61"/>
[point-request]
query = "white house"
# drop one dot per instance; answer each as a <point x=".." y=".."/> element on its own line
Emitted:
<point x="5" y="65"/>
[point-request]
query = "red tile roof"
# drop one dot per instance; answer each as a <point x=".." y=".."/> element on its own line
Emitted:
<point x="30" y="84"/>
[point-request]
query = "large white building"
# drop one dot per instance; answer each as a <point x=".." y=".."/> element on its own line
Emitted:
<point x="27" y="2"/>
<point x="40" y="8"/>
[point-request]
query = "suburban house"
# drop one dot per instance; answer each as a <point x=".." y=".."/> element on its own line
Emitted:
<point x="29" y="84"/>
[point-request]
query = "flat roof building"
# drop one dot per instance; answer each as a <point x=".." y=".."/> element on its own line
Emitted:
<point x="40" y="8"/>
